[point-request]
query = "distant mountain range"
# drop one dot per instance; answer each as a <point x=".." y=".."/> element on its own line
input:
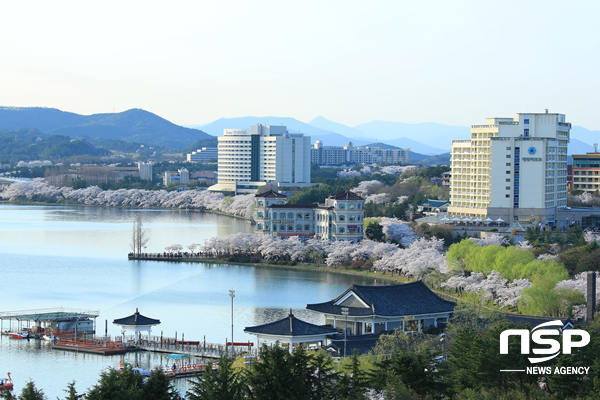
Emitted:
<point x="398" y="134"/>
<point x="141" y="126"/>
<point x="133" y="125"/>
<point x="328" y="137"/>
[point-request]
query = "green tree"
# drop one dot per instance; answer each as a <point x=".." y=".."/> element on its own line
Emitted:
<point x="223" y="384"/>
<point x="353" y="383"/>
<point x="375" y="232"/>
<point x="415" y="370"/>
<point x="127" y="385"/>
<point x="30" y="392"/>
<point x="324" y="375"/>
<point x="72" y="393"/>
<point x="465" y="360"/>
<point x="270" y="378"/>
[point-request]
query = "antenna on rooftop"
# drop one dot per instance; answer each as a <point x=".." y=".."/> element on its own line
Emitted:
<point x="595" y="147"/>
<point x="546" y="111"/>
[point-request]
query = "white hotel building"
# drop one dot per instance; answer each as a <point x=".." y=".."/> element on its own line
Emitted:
<point x="249" y="158"/>
<point x="511" y="168"/>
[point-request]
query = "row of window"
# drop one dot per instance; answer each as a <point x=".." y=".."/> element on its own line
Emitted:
<point x="289" y="216"/>
<point x="585" y="173"/>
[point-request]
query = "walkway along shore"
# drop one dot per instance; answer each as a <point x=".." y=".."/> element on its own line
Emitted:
<point x="182" y="257"/>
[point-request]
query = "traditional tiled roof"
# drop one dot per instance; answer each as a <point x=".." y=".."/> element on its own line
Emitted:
<point x="136" y="319"/>
<point x="345" y="195"/>
<point x="271" y="195"/>
<point x="396" y="300"/>
<point x="294" y="206"/>
<point x="290" y="326"/>
<point x="533" y="320"/>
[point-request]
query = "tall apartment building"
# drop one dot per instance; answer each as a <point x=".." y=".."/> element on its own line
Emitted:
<point x="328" y="155"/>
<point x="392" y="156"/>
<point x="586" y="171"/>
<point x="145" y="170"/>
<point x="263" y="154"/>
<point x="511" y="168"/>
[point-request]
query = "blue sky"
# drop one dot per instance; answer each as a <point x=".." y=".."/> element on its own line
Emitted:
<point x="452" y="62"/>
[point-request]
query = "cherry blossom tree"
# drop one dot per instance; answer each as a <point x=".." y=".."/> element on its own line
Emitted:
<point x="524" y="245"/>
<point x="395" y="229"/>
<point x="339" y="252"/>
<point x="493" y="239"/>
<point x="348" y="174"/>
<point x="365" y="185"/>
<point x="591" y="237"/>
<point x="414" y="261"/>
<point x="379" y="198"/>
<point x="40" y="190"/>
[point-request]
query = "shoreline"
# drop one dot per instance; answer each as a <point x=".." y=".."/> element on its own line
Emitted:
<point x="398" y="279"/>
<point x="67" y="204"/>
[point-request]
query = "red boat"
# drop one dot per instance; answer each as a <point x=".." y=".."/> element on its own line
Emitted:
<point x="6" y="384"/>
<point x="20" y="335"/>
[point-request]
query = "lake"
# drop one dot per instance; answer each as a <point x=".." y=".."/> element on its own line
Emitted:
<point x="76" y="257"/>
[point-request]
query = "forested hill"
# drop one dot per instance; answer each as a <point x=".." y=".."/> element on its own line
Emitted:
<point x="30" y="144"/>
<point x="133" y="125"/>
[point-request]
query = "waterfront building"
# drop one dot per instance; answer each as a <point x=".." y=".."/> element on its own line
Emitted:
<point x="260" y="155"/>
<point x="341" y="217"/>
<point x="374" y="309"/>
<point x="512" y="168"/>
<point x="586" y="171"/>
<point x="204" y="154"/>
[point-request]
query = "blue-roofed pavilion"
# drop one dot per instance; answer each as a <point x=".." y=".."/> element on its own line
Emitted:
<point x="291" y="331"/>
<point x="137" y="323"/>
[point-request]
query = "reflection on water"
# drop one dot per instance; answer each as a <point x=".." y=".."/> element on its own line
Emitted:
<point x="76" y="257"/>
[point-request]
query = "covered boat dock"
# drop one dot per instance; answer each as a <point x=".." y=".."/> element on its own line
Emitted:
<point x="64" y="319"/>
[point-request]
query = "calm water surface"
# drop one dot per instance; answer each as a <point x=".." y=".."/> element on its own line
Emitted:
<point x="76" y="257"/>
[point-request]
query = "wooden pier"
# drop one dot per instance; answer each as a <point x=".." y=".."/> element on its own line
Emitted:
<point x="105" y="345"/>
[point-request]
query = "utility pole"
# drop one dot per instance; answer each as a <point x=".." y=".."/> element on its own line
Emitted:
<point x="232" y="295"/>
<point x="345" y="311"/>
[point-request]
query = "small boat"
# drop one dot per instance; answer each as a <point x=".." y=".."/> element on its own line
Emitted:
<point x="19" y="335"/>
<point x="139" y="371"/>
<point x="6" y="384"/>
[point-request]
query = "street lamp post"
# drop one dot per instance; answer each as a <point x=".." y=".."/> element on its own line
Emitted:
<point x="232" y="295"/>
<point x="345" y="311"/>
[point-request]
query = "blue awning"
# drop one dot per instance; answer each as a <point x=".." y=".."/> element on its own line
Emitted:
<point x="177" y="356"/>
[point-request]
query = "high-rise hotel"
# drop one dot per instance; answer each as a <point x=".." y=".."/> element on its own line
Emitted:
<point x="249" y="158"/>
<point x="511" y="168"/>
